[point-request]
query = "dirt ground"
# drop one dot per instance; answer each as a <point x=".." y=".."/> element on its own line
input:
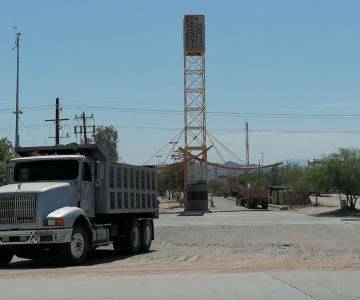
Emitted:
<point x="233" y="241"/>
<point x="326" y="205"/>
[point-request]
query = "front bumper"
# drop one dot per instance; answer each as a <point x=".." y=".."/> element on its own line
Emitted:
<point x="36" y="236"/>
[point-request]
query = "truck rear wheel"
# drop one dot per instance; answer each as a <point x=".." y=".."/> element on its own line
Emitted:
<point x="132" y="242"/>
<point x="146" y="236"/>
<point x="252" y="204"/>
<point x="264" y="205"/>
<point x="6" y="255"/>
<point x="76" y="251"/>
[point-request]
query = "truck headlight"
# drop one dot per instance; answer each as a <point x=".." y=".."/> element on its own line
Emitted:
<point x="54" y="222"/>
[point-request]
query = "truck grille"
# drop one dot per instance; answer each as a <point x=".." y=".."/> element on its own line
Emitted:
<point x="18" y="209"/>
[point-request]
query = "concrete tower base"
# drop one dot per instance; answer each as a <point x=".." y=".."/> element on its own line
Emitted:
<point x="197" y="198"/>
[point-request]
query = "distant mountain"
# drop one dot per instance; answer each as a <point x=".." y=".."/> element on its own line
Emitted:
<point x="296" y="161"/>
<point x="223" y="172"/>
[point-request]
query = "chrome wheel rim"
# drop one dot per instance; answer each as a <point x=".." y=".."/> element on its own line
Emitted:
<point x="77" y="245"/>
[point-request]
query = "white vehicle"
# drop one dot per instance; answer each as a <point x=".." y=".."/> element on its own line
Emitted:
<point x="67" y="200"/>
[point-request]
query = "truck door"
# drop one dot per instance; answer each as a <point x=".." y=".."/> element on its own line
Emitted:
<point x="87" y="190"/>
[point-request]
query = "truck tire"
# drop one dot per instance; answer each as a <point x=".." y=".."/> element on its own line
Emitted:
<point x="242" y="202"/>
<point x="132" y="242"/>
<point x="6" y="255"/>
<point x="146" y="236"/>
<point x="264" y="205"/>
<point x="75" y="252"/>
<point x="252" y="204"/>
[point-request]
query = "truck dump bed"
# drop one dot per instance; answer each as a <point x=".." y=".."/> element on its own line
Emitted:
<point x="131" y="189"/>
<point x="124" y="188"/>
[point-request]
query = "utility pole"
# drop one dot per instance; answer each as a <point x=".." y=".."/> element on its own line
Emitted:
<point x="57" y="121"/>
<point x="173" y="167"/>
<point x="84" y="129"/>
<point x="247" y="144"/>
<point x="173" y="148"/>
<point x="84" y="126"/>
<point x="17" y="111"/>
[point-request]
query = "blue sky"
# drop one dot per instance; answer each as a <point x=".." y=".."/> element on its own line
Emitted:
<point x="264" y="57"/>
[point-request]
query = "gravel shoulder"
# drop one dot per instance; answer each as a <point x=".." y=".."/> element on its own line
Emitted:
<point x="237" y="241"/>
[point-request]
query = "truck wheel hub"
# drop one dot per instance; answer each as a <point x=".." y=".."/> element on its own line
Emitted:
<point x="77" y="245"/>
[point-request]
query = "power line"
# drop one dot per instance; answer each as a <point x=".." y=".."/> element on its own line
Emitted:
<point x="178" y="135"/>
<point x="216" y="149"/>
<point x="225" y="147"/>
<point x="29" y="132"/>
<point x="28" y="108"/>
<point x="222" y="113"/>
<point x="212" y="113"/>
<point x="153" y="128"/>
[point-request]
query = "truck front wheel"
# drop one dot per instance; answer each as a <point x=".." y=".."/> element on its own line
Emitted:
<point x="6" y="255"/>
<point x="76" y="251"/>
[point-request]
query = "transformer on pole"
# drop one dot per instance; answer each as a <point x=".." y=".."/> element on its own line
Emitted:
<point x="195" y="173"/>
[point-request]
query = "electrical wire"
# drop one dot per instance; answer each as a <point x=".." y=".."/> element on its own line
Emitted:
<point x="216" y="149"/>
<point x="216" y="113"/>
<point x="180" y="133"/>
<point x="225" y="147"/>
<point x="40" y="126"/>
<point x="172" y="111"/>
<point x="29" y="132"/>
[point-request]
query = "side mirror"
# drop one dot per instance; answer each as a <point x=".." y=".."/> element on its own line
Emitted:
<point x="97" y="173"/>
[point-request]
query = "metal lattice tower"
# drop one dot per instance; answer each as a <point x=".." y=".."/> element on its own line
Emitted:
<point x="194" y="92"/>
<point x="194" y="105"/>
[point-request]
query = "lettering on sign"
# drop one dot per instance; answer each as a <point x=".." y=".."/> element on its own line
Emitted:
<point x="197" y="173"/>
<point x="194" y="35"/>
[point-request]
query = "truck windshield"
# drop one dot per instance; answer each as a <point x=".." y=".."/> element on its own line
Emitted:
<point x="42" y="170"/>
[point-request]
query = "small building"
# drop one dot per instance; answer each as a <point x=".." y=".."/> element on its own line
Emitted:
<point x="284" y="195"/>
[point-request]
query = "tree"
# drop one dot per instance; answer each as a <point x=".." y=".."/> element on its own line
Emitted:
<point x="214" y="185"/>
<point x="171" y="179"/>
<point x="342" y="171"/>
<point x="6" y="153"/>
<point x="318" y="180"/>
<point x="108" y="136"/>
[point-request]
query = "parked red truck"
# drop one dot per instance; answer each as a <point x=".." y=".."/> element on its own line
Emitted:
<point x="250" y="197"/>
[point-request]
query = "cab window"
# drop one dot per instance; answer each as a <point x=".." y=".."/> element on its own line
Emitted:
<point x="86" y="174"/>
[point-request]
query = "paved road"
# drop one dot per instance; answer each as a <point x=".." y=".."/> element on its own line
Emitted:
<point x="269" y="286"/>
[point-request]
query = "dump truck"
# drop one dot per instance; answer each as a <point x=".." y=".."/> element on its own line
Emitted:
<point x="251" y="197"/>
<point x="67" y="200"/>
